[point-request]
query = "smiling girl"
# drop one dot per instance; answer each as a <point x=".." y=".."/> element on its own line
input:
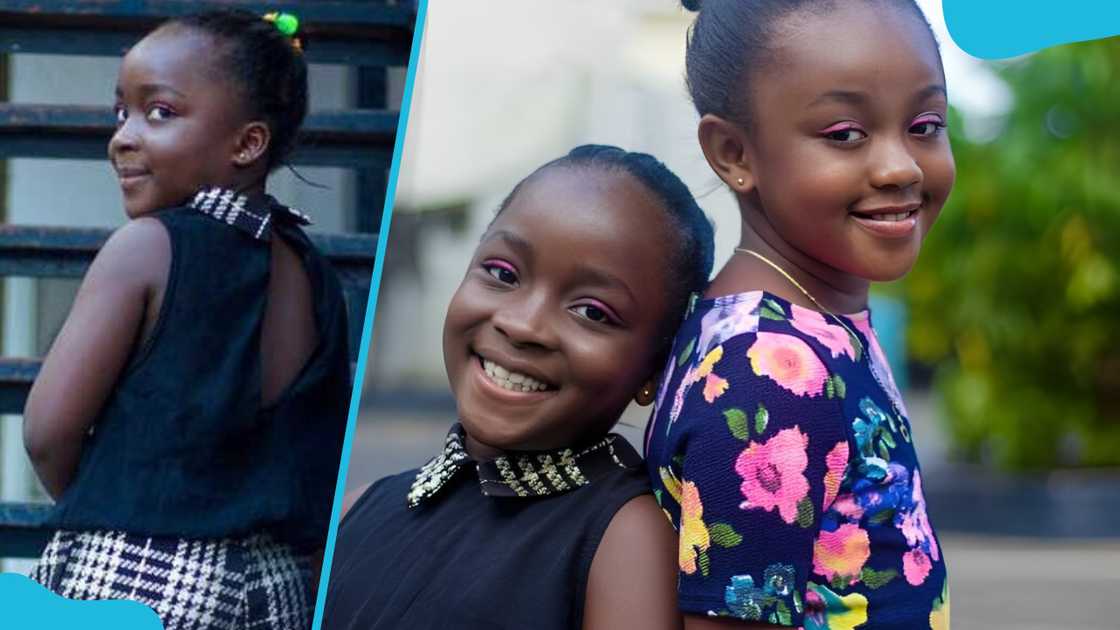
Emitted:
<point x="534" y="516"/>
<point x="189" y="416"/>
<point x="780" y="446"/>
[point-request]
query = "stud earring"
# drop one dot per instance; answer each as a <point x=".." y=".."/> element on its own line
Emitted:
<point x="739" y="181"/>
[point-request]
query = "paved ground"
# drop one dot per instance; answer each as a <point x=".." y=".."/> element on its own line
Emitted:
<point x="997" y="583"/>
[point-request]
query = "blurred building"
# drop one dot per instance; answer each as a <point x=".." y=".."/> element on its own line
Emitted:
<point x="501" y="91"/>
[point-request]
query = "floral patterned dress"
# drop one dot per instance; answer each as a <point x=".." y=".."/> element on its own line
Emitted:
<point x="780" y="450"/>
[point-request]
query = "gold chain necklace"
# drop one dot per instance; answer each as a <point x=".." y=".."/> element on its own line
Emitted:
<point x="802" y="289"/>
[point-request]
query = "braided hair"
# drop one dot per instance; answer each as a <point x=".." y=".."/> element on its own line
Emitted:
<point x="265" y="65"/>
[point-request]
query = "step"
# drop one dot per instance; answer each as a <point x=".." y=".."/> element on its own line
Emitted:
<point x="61" y="252"/>
<point x="355" y="33"/>
<point x="347" y="138"/>
<point x="22" y="534"/>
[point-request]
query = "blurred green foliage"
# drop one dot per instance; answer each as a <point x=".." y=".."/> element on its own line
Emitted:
<point x="1016" y="296"/>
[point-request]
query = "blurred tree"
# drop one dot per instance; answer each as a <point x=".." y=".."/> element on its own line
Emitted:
<point x="1016" y="297"/>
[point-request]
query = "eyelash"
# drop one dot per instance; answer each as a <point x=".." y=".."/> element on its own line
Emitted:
<point x="497" y="269"/>
<point x="609" y="318"/>
<point x="120" y="113"/>
<point x="938" y="125"/>
<point x="830" y="133"/>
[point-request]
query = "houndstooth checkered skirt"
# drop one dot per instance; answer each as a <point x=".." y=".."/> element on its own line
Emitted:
<point x="251" y="583"/>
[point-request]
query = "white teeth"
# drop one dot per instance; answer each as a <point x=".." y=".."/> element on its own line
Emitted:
<point x="900" y="216"/>
<point x="513" y="381"/>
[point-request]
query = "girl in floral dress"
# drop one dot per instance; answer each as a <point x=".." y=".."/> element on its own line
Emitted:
<point x="780" y="446"/>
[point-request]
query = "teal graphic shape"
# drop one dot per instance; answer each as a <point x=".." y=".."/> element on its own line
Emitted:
<point x="24" y="603"/>
<point x="997" y="29"/>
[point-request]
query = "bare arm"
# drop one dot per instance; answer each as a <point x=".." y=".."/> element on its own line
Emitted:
<point x="633" y="578"/>
<point x="92" y="348"/>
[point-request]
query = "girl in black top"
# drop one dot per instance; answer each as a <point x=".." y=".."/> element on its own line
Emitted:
<point x="533" y="516"/>
<point x="189" y="416"/>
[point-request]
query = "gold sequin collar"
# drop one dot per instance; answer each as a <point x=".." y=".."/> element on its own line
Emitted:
<point x="524" y="473"/>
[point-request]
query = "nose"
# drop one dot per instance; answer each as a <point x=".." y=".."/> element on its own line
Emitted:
<point x="525" y="321"/>
<point x="124" y="139"/>
<point x="894" y="166"/>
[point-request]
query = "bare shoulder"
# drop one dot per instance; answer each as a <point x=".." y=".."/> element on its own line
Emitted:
<point x="350" y="498"/>
<point x="633" y="577"/>
<point x="640" y="525"/>
<point x="141" y="247"/>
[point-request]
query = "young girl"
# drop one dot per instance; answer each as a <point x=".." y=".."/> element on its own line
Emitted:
<point x="188" y="418"/>
<point x="533" y="516"/>
<point x="780" y="446"/>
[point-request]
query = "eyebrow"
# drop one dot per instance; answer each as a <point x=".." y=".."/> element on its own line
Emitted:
<point x="860" y="98"/>
<point x="584" y="274"/>
<point x="148" y="89"/>
<point x="513" y="240"/>
<point x="601" y="278"/>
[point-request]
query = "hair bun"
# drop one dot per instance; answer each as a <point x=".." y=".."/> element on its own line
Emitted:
<point x="691" y="5"/>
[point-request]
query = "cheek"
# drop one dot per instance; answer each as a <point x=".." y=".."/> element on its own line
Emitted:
<point x="812" y="181"/>
<point x="940" y="172"/>
<point x="615" y="369"/>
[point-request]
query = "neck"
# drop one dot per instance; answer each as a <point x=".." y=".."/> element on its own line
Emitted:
<point x="836" y="290"/>
<point x="479" y="451"/>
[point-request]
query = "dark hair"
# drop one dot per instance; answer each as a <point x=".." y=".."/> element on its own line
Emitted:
<point x="265" y="64"/>
<point x="729" y="38"/>
<point x="691" y="261"/>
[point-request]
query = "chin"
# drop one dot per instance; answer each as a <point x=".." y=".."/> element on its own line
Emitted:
<point x="884" y="266"/>
<point x="493" y="433"/>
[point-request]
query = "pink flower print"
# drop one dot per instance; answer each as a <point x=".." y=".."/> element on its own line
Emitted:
<point x="728" y="317"/>
<point x="841" y="553"/>
<point x="831" y="335"/>
<point x="836" y="463"/>
<point x="678" y="397"/>
<point x="880" y="367"/>
<point x="848" y="506"/>
<point x="916" y="566"/>
<point x="789" y="362"/>
<point x="914" y="524"/>
<point x="773" y="473"/>
<point x="714" y="387"/>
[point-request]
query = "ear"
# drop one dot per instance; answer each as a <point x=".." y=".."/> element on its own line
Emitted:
<point x="252" y="143"/>
<point x="647" y="393"/>
<point x="725" y="146"/>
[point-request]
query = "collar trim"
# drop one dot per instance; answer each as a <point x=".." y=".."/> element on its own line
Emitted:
<point x="250" y="214"/>
<point x="524" y="473"/>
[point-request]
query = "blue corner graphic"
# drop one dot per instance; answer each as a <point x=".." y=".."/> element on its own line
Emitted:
<point x="26" y="604"/>
<point x="997" y="29"/>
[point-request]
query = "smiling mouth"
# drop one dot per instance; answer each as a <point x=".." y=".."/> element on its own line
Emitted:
<point x="887" y="217"/>
<point x="510" y="380"/>
<point x="128" y="176"/>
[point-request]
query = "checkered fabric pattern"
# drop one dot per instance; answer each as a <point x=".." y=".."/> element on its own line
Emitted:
<point x="253" y="583"/>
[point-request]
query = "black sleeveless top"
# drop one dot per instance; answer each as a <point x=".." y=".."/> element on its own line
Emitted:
<point x="183" y="446"/>
<point x="458" y="544"/>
